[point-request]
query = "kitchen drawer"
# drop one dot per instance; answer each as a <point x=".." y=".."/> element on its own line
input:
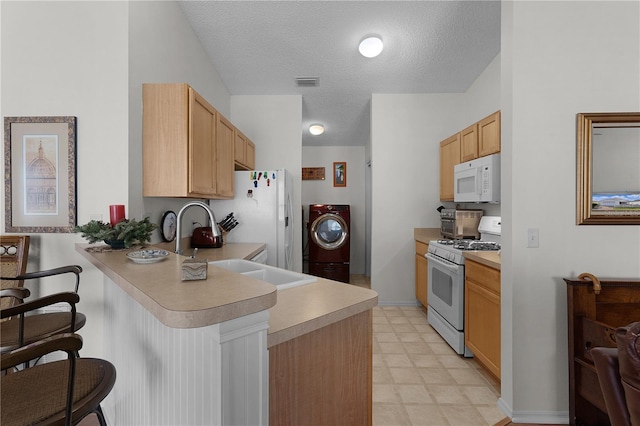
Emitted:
<point x="421" y="248"/>
<point x="483" y="275"/>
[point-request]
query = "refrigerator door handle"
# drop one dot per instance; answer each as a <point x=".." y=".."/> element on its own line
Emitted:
<point x="289" y="248"/>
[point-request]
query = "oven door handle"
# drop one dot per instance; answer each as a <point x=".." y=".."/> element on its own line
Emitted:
<point x="442" y="262"/>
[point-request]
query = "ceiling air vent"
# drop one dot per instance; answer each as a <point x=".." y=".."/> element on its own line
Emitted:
<point x="307" y="81"/>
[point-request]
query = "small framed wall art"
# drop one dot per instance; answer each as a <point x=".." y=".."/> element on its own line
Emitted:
<point x="40" y="174"/>
<point x="313" y="173"/>
<point x="340" y="174"/>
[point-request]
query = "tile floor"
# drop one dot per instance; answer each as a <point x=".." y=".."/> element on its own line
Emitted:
<point x="419" y="380"/>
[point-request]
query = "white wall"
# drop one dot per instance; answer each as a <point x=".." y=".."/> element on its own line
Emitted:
<point x="323" y="192"/>
<point x="483" y="96"/>
<point x="70" y="58"/>
<point x="164" y="49"/>
<point x="405" y="137"/>
<point x="92" y="66"/>
<point x="405" y="133"/>
<point x="558" y="59"/>
<point x="273" y="123"/>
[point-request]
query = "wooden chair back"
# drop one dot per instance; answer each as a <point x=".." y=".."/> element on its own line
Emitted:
<point x="14" y="252"/>
<point x="37" y="395"/>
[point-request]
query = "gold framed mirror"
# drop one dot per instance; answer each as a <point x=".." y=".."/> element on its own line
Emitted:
<point x="608" y="168"/>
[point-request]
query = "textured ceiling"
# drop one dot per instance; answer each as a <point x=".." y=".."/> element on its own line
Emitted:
<point x="260" y="47"/>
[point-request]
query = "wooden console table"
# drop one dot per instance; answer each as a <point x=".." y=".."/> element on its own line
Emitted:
<point x="595" y="308"/>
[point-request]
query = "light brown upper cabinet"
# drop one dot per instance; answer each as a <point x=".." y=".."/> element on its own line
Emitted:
<point x="186" y="147"/>
<point x="245" y="152"/>
<point x="489" y="135"/>
<point x="480" y="139"/>
<point x="251" y="155"/>
<point x="225" y="134"/>
<point x="449" y="157"/>
<point x="469" y="143"/>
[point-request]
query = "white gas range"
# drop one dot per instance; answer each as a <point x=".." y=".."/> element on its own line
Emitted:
<point x="445" y="286"/>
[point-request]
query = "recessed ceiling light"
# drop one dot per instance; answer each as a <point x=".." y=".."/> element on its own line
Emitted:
<point x="316" y="129"/>
<point x="370" y="46"/>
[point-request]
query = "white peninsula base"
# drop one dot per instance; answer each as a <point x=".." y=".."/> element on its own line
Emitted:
<point x="212" y="375"/>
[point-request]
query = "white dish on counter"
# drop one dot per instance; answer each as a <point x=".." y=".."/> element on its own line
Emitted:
<point x="148" y="256"/>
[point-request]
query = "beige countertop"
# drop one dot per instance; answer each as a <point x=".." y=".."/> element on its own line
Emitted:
<point x="227" y="251"/>
<point x="310" y="307"/>
<point x="226" y="295"/>
<point x="424" y="235"/>
<point x="487" y="258"/>
<point x="158" y="287"/>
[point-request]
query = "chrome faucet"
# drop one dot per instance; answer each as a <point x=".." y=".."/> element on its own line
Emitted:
<point x="214" y="226"/>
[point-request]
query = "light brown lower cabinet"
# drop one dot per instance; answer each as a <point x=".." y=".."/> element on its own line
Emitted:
<point x="482" y="315"/>
<point x="324" y="377"/>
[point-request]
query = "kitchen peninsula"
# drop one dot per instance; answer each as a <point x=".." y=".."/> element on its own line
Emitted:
<point x="195" y="352"/>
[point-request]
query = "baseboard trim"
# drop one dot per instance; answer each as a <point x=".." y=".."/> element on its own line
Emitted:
<point x="541" y="417"/>
<point x="534" y="417"/>
<point x="398" y="303"/>
<point x="505" y="408"/>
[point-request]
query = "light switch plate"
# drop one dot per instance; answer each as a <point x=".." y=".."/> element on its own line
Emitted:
<point x="533" y="238"/>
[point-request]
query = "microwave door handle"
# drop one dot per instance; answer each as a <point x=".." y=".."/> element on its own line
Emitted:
<point x="479" y="181"/>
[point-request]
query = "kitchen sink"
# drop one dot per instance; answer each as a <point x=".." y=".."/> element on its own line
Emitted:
<point x="281" y="278"/>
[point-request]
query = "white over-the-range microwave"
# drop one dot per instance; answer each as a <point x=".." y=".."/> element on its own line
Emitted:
<point x="477" y="181"/>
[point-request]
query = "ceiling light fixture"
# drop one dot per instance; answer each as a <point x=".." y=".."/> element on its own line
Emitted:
<point x="316" y="129"/>
<point x="371" y="46"/>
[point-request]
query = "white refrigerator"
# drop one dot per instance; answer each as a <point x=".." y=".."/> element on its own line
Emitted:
<point x="262" y="206"/>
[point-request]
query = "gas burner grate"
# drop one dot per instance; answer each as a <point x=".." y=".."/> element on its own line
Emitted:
<point x="477" y="245"/>
<point x="446" y="242"/>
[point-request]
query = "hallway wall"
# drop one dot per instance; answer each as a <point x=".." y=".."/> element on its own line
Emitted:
<point x="559" y="59"/>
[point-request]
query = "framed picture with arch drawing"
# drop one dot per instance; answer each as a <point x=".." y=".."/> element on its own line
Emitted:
<point x="40" y="174"/>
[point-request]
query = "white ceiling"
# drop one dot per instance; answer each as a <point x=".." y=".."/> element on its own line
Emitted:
<point x="260" y="47"/>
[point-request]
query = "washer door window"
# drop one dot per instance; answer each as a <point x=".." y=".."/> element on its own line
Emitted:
<point x="329" y="231"/>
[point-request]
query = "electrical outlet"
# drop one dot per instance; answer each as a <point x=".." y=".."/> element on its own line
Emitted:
<point x="533" y="238"/>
